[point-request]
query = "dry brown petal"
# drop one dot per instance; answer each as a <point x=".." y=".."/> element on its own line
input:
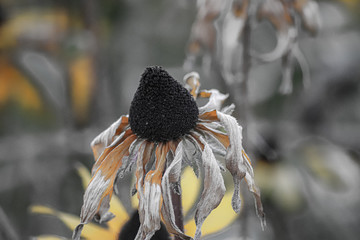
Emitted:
<point x="107" y="137"/>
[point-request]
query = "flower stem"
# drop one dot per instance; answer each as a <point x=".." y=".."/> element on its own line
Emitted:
<point x="179" y="219"/>
<point x="245" y="109"/>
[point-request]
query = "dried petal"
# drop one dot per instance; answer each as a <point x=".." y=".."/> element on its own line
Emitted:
<point x="310" y="15"/>
<point x="166" y="185"/>
<point x="192" y="154"/>
<point x="150" y="199"/>
<point x="98" y="194"/>
<point x="214" y="189"/>
<point x="93" y="197"/>
<point x="107" y="137"/>
<point x="228" y="109"/>
<point x="278" y="15"/>
<point x="215" y="101"/>
<point x="192" y="83"/>
<point x="239" y="165"/>
<point x="232" y="29"/>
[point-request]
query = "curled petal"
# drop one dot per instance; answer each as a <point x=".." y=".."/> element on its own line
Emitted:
<point x="107" y="137"/>
<point x="228" y="109"/>
<point x="215" y="101"/>
<point x="109" y="149"/>
<point x="239" y="165"/>
<point x="285" y="40"/>
<point x="214" y="189"/>
<point x="192" y="83"/>
<point x="310" y="16"/>
<point x="278" y="15"/>
<point x="166" y="186"/>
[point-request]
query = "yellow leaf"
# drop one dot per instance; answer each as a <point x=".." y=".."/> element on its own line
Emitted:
<point x="48" y="24"/>
<point x="190" y="189"/>
<point x="220" y="218"/>
<point x="82" y="84"/>
<point x="15" y="86"/>
<point x="48" y="237"/>
<point x="90" y="232"/>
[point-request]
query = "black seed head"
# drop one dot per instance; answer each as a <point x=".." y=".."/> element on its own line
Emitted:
<point x="162" y="109"/>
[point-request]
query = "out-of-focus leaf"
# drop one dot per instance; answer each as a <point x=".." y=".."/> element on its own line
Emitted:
<point x="280" y="184"/>
<point x="220" y="218"/>
<point x="14" y="86"/>
<point x="45" y="26"/>
<point x="318" y="164"/>
<point x="48" y="237"/>
<point x="92" y="232"/>
<point x="190" y="189"/>
<point x="82" y="86"/>
<point x="47" y="75"/>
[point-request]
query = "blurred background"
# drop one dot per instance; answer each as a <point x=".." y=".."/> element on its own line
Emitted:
<point x="68" y="69"/>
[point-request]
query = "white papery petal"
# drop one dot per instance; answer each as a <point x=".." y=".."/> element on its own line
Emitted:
<point x="212" y="125"/>
<point x="228" y="109"/>
<point x="311" y="16"/>
<point x="214" y="189"/>
<point x="231" y="46"/>
<point x="239" y="166"/>
<point x="149" y="205"/>
<point x="215" y="102"/>
<point x="234" y="160"/>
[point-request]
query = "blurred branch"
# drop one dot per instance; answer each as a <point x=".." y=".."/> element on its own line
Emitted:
<point x="102" y="100"/>
<point x="6" y="228"/>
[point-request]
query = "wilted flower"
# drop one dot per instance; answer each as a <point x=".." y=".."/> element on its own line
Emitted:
<point x="164" y="131"/>
<point x="286" y="17"/>
<point x="219" y="28"/>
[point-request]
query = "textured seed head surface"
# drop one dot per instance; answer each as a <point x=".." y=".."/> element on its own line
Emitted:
<point x="162" y="109"/>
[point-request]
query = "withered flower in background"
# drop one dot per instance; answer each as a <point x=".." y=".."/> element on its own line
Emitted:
<point x="218" y="34"/>
<point x="164" y="130"/>
<point x="288" y="19"/>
